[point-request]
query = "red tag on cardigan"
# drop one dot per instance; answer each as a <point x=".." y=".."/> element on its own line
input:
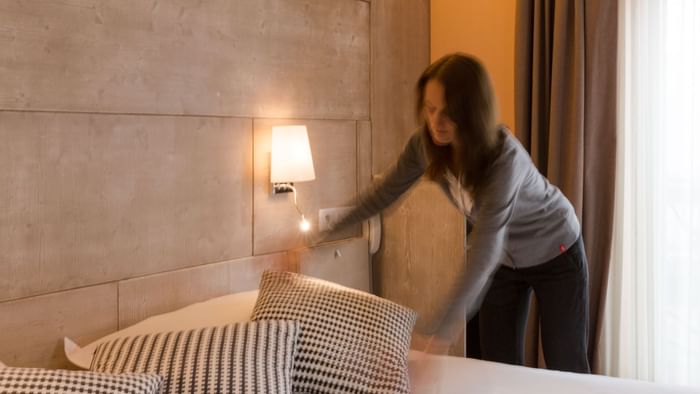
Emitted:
<point x="562" y="248"/>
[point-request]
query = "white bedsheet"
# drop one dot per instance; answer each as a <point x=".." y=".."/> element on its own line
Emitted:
<point x="466" y="375"/>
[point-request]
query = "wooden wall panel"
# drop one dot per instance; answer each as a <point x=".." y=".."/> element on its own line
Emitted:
<point x="99" y="187"/>
<point x="364" y="164"/>
<point x="259" y="58"/>
<point x="95" y="198"/>
<point x="422" y="252"/>
<point x="364" y="155"/>
<point x="32" y="329"/>
<point x="400" y="52"/>
<point x="155" y="294"/>
<point x="423" y="235"/>
<point x="333" y="148"/>
<point x="344" y="262"/>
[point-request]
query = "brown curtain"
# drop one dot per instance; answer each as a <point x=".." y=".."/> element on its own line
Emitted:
<point x="565" y="108"/>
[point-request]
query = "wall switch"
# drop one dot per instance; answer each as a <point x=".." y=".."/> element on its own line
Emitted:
<point x="328" y="217"/>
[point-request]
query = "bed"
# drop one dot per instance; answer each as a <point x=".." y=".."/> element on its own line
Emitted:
<point x="452" y="374"/>
<point x="460" y="375"/>
<point x="356" y="331"/>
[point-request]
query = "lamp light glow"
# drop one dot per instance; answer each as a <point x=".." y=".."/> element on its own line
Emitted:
<point x="304" y="225"/>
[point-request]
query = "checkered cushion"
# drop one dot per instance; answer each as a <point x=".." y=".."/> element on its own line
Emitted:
<point x="350" y="341"/>
<point x="237" y="358"/>
<point x="48" y="381"/>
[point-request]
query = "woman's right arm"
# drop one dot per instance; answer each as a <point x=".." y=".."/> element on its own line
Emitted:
<point x="401" y="176"/>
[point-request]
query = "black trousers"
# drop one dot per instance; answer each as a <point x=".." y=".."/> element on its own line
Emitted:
<point x="561" y="288"/>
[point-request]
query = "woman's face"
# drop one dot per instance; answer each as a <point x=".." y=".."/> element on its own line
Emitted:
<point x="442" y="129"/>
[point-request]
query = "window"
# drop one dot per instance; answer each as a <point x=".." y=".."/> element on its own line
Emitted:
<point x="652" y="323"/>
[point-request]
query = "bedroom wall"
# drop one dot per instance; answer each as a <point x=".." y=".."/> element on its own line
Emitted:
<point x="485" y="29"/>
<point x="134" y="149"/>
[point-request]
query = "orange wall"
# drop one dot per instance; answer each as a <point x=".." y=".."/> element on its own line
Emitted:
<point x="485" y="29"/>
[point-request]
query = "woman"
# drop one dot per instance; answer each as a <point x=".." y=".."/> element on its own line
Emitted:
<point x="524" y="232"/>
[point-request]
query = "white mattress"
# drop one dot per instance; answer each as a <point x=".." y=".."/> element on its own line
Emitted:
<point x="466" y="375"/>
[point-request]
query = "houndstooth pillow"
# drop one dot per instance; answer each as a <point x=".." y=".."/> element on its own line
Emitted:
<point x="350" y="341"/>
<point x="56" y="381"/>
<point x="237" y="358"/>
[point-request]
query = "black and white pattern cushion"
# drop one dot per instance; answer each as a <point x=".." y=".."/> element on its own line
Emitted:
<point x="350" y="341"/>
<point x="56" y="381"/>
<point x="237" y="358"/>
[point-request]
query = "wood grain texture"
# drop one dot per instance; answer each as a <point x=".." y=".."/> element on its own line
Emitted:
<point x="333" y="149"/>
<point x="400" y="53"/>
<point x="106" y="185"/>
<point x="344" y="262"/>
<point x="260" y="58"/>
<point x="423" y="235"/>
<point x="364" y="155"/>
<point x="422" y="252"/>
<point x="33" y="328"/>
<point x="140" y="298"/>
<point x="91" y="199"/>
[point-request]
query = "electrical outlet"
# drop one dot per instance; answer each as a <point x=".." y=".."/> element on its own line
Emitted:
<point x="328" y="217"/>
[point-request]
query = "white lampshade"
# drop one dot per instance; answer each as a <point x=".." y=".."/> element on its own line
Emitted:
<point x="291" y="155"/>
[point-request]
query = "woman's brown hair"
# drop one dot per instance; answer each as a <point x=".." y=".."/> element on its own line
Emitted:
<point x="471" y="106"/>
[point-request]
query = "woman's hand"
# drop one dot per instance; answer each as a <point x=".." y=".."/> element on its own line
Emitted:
<point x="430" y="344"/>
<point x="426" y="367"/>
<point x="316" y="237"/>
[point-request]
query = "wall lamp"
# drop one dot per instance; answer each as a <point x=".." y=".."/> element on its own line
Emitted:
<point x="291" y="162"/>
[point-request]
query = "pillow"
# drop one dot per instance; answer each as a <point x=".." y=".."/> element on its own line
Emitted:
<point x="236" y="358"/>
<point x="218" y="311"/>
<point x="350" y="341"/>
<point x="56" y="381"/>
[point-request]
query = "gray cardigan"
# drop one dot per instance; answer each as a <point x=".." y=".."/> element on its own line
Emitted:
<point x="519" y="219"/>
